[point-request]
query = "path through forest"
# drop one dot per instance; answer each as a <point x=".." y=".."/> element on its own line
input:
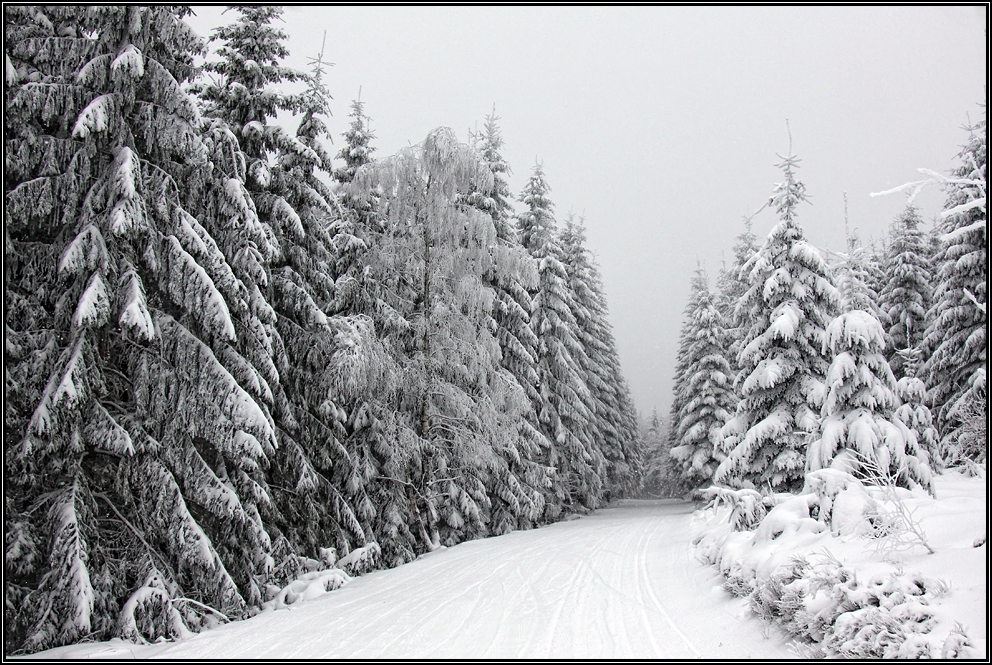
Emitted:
<point x="621" y="583"/>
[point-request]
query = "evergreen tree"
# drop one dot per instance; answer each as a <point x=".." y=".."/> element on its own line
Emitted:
<point x="562" y="409"/>
<point x="358" y="149"/>
<point x="328" y="473"/>
<point x="497" y="203"/>
<point x="707" y="398"/>
<point x="859" y="423"/>
<point x="782" y="361"/>
<point x="613" y="426"/>
<point x="913" y="410"/>
<point x="905" y="297"/>
<point x="512" y="274"/>
<point x="956" y="342"/>
<point x="731" y="285"/>
<point x="287" y="267"/>
<point x="130" y="424"/>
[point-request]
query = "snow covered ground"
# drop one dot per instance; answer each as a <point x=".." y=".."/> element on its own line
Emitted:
<point x="621" y="583"/>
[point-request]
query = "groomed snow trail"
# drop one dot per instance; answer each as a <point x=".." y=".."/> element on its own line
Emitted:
<point x="621" y="583"/>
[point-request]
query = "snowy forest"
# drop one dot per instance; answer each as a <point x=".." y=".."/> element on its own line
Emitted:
<point x="241" y="367"/>
<point x="872" y="359"/>
<point x="233" y="360"/>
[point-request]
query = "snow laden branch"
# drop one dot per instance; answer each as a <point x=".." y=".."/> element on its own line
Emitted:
<point x="978" y="202"/>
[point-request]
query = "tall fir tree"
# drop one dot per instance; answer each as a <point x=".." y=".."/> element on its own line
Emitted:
<point x="905" y="297"/>
<point x="563" y="394"/>
<point x="613" y="426"/>
<point x="512" y="275"/>
<point x="707" y="388"/>
<point x="732" y="284"/>
<point x="131" y="423"/>
<point x="287" y="269"/>
<point x="956" y="343"/>
<point x="782" y="361"/>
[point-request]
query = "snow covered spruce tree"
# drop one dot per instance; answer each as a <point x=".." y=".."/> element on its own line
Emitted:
<point x="956" y="342"/>
<point x="782" y="359"/>
<point x="563" y="408"/>
<point x="859" y="425"/>
<point x="456" y="408"/>
<point x="732" y="284"/>
<point x="511" y="275"/>
<point x="906" y="294"/>
<point x="707" y="398"/>
<point x="613" y="426"/>
<point x="135" y="431"/>
<point x="289" y="271"/>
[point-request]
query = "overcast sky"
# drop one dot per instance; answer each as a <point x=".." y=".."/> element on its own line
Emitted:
<point x="661" y="124"/>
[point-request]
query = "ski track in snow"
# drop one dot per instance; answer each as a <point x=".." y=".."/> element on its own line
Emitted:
<point x="621" y="583"/>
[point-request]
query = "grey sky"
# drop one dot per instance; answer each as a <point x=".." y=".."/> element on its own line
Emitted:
<point x="661" y="124"/>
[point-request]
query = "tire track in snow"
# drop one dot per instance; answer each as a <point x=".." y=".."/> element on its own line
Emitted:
<point x="664" y="612"/>
<point x="642" y="580"/>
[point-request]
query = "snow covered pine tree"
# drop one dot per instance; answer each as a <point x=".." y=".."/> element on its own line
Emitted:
<point x="707" y="397"/>
<point x="782" y="360"/>
<point x="859" y="426"/>
<point x="564" y="397"/>
<point x="520" y="495"/>
<point x="125" y="423"/>
<point x="956" y="343"/>
<point x="907" y="293"/>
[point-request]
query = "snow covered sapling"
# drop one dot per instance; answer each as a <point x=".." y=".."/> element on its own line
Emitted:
<point x="782" y="359"/>
<point x="858" y="416"/>
<point x="897" y="527"/>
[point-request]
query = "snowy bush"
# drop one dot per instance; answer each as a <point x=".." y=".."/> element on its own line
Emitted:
<point x="744" y="507"/>
<point x="764" y="547"/>
<point x="307" y="587"/>
<point x="361" y="560"/>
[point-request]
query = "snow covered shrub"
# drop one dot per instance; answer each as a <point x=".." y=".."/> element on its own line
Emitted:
<point x="307" y="587"/>
<point x="361" y="560"/>
<point x="737" y="586"/>
<point x="321" y="576"/>
<point x="744" y="507"/>
<point x="777" y="599"/>
<point x="832" y="609"/>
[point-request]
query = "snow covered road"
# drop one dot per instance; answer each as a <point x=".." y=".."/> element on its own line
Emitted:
<point x="621" y="583"/>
